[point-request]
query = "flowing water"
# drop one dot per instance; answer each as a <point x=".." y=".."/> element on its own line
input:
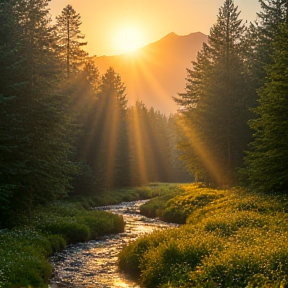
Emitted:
<point x="93" y="264"/>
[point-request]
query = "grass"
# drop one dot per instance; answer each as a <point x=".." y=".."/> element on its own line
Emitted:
<point x="155" y="207"/>
<point x="231" y="238"/>
<point x="24" y="250"/>
<point x="120" y="195"/>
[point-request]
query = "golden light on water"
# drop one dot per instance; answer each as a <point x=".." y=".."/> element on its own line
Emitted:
<point x="120" y="283"/>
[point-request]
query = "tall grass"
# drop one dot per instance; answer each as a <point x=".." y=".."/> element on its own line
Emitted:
<point x="164" y="192"/>
<point x="231" y="239"/>
<point x="121" y="195"/>
<point x="24" y="250"/>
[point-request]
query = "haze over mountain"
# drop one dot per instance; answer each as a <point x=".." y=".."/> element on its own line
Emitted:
<point x="156" y="72"/>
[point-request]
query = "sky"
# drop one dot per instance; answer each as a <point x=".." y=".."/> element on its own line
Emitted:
<point x="113" y="27"/>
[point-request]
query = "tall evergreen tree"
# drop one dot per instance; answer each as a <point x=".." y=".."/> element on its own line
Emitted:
<point x="69" y="35"/>
<point x="152" y="147"/>
<point x="84" y="87"/>
<point x="267" y="167"/>
<point x="105" y="145"/>
<point x="34" y="143"/>
<point x="214" y="107"/>
<point x="261" y="36"/>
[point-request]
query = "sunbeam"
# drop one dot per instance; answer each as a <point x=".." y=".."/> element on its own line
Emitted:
<point x="210" y="162"/>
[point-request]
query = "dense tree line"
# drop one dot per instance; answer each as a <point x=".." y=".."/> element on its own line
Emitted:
<point x="122" y="146"/>
<point x="65" y="129"/>
<point x="36" y="131"/>
<point x="215" y="105"/>
<point x="233" y="113"/>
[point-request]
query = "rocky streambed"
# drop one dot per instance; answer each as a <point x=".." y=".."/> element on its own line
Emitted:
<point x="94" y="263"/>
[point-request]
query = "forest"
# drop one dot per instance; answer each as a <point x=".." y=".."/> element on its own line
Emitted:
<point x="67" y="131"/>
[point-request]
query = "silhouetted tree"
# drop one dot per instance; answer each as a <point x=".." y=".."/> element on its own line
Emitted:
<point x="214" y="107"/>
<point x="267" y="161"/>
<point x="69" y="35"/>
<point x="105" y="140"/>
<point x="35" y="129"/>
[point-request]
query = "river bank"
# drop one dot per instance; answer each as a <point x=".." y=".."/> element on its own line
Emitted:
<point x="25" y="247"/>
<point x="95" y="263"/>
<point x="232" y="238"/>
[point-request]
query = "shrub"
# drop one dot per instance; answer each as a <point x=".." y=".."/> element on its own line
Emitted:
<point x="233" y="239"/>
<point x="23" y="258"/>
<point x="131" y="256"/>
<point x="179" y="208"/>
<point x="68" y="228"/>
<point x="57" y="242"/>
<point x="250" y="259"/>
<point x="155" y="207"/>
<point x="101" y="223"/>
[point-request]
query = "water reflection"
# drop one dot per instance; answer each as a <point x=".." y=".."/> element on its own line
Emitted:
<point x="94" y="263"/>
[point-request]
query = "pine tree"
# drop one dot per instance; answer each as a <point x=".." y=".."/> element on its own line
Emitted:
<point x="84" y="88"/>
<point x="267" y="167"/>
<point x="105" y="131"/>
<point x="69" y="35"/>
<point x="214" y="107"/>
<point x="34" y="132"/>
<point x="261" y="36"/>
<point x="152" y="147"/>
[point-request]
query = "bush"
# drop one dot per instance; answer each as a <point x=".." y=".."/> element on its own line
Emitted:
<point x="57" y="242"/>
<point x="102" y="223"/>
<point x="131" y="256"/>
<point x="233" y="239"/>
<point x="23" y="255"/>
<point x="24" y="251"/>
<point x="244" y="262"/>
<point x="155" y="207"/>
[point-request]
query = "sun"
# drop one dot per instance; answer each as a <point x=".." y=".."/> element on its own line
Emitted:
<point x="128" y="39"/>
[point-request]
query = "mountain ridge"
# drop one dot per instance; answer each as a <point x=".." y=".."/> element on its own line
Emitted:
<point x="157" y="71"/>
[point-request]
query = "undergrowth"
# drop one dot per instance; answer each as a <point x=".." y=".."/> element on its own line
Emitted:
<point x="121" y="195"/>
<point x="24" y="249"/>
<point x="231" y="238"/>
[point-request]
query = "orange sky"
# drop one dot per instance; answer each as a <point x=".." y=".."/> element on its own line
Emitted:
<point x="104" y="20"/>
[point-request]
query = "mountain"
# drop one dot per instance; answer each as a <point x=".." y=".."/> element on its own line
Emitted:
<point x="156" y="72"/>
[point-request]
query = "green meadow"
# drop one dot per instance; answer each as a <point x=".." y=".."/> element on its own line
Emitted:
<point x="231" y="238"/>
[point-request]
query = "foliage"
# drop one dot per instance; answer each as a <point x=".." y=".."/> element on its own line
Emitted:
<point x="36" y="130"/>
<point x="261" y="37"/>
<point x="24" y="250"/>
<point x="68" y="43"/>
<point x="155" y="207"/>
<point x="266" y="162"/>
<point x="220" y="246"/>
<point x="152" y="142"/>
<point x="215" y="105"/>
<point x="180" y="207"/>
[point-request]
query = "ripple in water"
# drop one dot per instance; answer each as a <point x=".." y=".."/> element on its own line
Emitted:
<point x="93" y="264"/>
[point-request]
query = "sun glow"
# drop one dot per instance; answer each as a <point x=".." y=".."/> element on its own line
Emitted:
<point x="128" y="39"/>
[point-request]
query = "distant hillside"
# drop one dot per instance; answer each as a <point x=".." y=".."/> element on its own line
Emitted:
<point x="156" y="72"/>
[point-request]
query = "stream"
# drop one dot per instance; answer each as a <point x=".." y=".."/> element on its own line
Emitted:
<point x="93" y="264"/>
